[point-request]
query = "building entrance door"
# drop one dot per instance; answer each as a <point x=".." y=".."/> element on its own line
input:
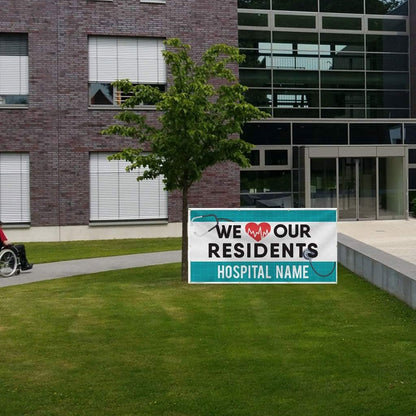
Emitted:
<point x="357" y="188"/>
<point x="369" y="186"/>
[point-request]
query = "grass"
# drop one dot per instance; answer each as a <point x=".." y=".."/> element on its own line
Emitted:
<point x="140" y="342"/>
<point x="70" y="250"/>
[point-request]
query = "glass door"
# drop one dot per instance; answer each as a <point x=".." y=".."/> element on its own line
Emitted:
<point x="347" y="188"/>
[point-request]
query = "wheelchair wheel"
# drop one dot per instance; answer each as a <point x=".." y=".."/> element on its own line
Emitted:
<point x="8" y="263"/>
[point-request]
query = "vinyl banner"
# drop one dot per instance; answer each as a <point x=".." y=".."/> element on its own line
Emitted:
<point x="262" y="245"/>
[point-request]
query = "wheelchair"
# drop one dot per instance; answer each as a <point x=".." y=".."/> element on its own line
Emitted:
<point x="9" y="261"/>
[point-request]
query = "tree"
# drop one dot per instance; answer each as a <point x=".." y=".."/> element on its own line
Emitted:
<point x="201" y="113"/>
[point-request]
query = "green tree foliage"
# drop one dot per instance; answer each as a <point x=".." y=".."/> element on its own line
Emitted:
<point x="201" y="113"/>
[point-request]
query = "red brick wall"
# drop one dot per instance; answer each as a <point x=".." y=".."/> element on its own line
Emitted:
<point x="59" y="130"/>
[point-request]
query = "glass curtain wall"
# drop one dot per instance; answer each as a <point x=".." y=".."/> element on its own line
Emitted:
<point x="327" y="58"/>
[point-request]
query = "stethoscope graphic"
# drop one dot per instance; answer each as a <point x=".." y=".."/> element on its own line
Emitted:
<point x="307" y="256"/>
<point x="217" y="223"/>
<point x="306" y="253"/>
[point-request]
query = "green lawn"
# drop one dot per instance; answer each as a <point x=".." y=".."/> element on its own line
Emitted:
<point x="141" y="342"/>
<point x="70" y="250"/>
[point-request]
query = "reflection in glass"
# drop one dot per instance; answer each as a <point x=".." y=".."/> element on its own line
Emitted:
<point x="387" y="62"/>
<point x="347" y="200"/>
<point x="283" y="20"/>
<point x="391" y="183"/>
<point x="367" y="188"/>
<point x="388" y="99"/>
<point x="342" y="6"/>
<point x="259" y="97"/>
<point x="323" y="183"/>
<point x="295" y="98"/>
<point x="387" y="43"/>
<point x="341" y="23"/>
<point x="255" y="77"/>
<point x="254" y="4"/>
<point x="252" y="38"/>
<point x="387" y="25"/>
<point x="338" y="42"/>
<point x="387" y="80"/>
<point x="390" y="7"/>
<point x="342" y="61"/>
<point x="295" y="79"/>
<point x="276" y="157"/>
<point x="337" y="79"/>
<point x="252" y="19"/>
<point x="296" y="5"/>
<point x="254" y="158"/>
<point x="342" y="98"/>
<point x="376" y="133"/>
<point x="101" y="93"/>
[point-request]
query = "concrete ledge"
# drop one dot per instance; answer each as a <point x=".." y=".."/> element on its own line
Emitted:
<point x="388" y="272"/>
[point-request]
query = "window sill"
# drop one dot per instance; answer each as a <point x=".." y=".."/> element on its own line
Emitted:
<point x="153" y="1"/>
<point x="127" y="223"/>
<point x="13" y="107"/>
<point x="117" y="108"/>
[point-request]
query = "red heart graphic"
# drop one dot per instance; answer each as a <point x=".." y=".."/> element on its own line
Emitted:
<point x="258" y="231"/>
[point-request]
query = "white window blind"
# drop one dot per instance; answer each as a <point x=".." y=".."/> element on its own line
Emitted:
<point x="117" y="195"/>
<point x="14" y="188"/>
<point x="14" y="75"/>
<point x="138" y="59"/>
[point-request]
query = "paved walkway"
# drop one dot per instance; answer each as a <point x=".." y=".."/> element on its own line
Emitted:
<point x="48" y="271"/>
<point x="395" y="237"/>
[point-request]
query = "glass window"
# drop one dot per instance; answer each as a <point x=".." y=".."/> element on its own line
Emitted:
<point x="301" y="41"/>
<point x="14" y="69"/>
<point x="276" y="157"/>
<point x="255" y="77"/>
<point x="255" y="59"/>
<point x="295" y="98"/>
<point x="295" y="79"/>
<point x="296" y="112"/>
<point x="320" y="133"/>
<point x="410" y="133"/>
<point x="337" y="42"/>
<point x="284" y="20"/>
<point x="266" y="133"/>
<point x="259" y="97"/>
<point x="254" y="4"/>
<point x="376" y="133"/>
<point x="350" y="112"/>
<point x="111" y="58"/>
<point x="115" y="194"/>
<point x="310" y="63"/>
<point x="335" y="79"/>
<point x="258" y="181"/>
<point x="254" y="158"/>
<point x="387" y="62"/>
<point x="323" y="183"/>
<point x="14" y="188"/>
<point x="253" y="38"/>
<point x="252" y="19"/>
<point x="342" y="61"/>
<point x="296" y="5"/>
<point x="387" y="43"/>
<point x="388" y="99"/>
<point x="341" y="6"/>
<point x="387" y="80"/>
<point x="341" y="23"/>
<point x="387" y="113"/>
<point x="347" y="99"/>
<point x="387" y="25"/>
<point x="395" y="7"/>
<point x="412" y="178"/>
<point x="412" y="155"/>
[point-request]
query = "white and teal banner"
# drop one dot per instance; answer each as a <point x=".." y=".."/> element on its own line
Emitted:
<point x="262" y="245"/>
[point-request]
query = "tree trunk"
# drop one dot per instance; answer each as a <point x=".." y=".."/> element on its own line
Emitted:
<point x="185" y="234"/>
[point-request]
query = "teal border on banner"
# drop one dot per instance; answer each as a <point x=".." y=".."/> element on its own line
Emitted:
<point x="265" y="272"/>
<point x="258" y="215"/>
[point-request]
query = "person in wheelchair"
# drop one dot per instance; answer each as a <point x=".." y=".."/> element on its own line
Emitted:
<point x="19" y="249"/>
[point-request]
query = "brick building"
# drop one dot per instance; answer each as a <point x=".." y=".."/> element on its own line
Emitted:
<point x="58" y="61"/>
